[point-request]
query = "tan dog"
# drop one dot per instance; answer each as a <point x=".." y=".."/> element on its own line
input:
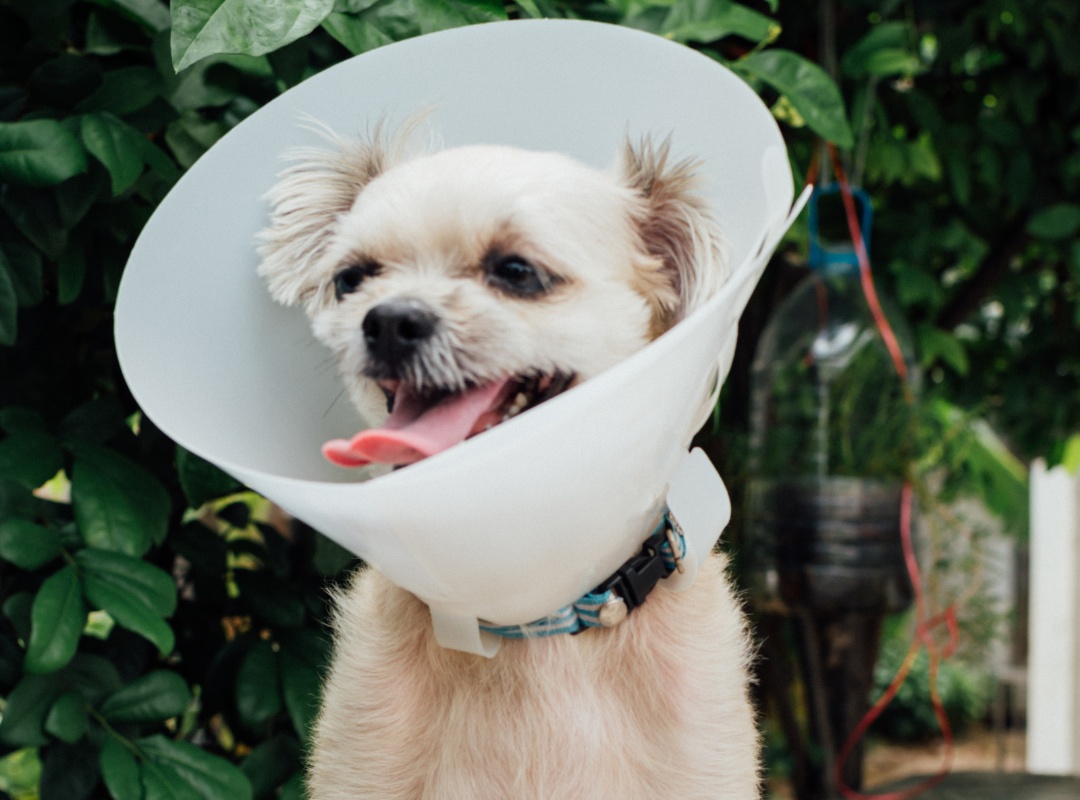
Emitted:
<point x="460" y="288"/>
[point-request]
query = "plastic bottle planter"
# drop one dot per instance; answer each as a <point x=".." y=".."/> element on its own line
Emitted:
<point x="827" y="545"/>
<point x="829" y="444"/>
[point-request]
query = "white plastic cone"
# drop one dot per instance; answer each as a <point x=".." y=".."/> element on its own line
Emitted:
<point x="514" y="523"/>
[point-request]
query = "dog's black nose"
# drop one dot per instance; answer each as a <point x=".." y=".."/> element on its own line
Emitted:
<point x="394" y="329"/>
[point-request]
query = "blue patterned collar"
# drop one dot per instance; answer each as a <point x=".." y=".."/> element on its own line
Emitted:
<point x="612" y="601"/>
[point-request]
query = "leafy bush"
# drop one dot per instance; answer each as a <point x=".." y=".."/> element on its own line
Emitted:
<point x="152" y="644"/>
<point x="965" y="691"/>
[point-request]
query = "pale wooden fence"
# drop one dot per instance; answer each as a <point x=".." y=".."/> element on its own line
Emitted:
<point x="1053" y="737"/>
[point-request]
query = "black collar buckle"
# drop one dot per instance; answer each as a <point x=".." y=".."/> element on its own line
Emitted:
<point x="639" y="575"/>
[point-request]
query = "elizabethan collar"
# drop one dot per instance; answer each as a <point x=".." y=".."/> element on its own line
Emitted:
<point x="520" y="520"/>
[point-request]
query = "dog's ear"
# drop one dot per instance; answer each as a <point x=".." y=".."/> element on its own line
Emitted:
<point x="687" y="251"/>
<point x="311" y="194"/>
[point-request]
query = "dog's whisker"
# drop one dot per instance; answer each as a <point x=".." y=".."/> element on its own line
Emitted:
<point x="333" y="403"/>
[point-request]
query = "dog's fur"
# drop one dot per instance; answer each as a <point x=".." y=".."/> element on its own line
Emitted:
<point x="656" y="707"/>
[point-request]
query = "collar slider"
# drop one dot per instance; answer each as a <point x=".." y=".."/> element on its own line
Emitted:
<point x="613" y="611"/>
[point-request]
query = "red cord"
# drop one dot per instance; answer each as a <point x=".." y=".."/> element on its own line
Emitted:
<point x="923" y="638"/>
<point x="925" y="625"/>
<point x="883" y="326"/>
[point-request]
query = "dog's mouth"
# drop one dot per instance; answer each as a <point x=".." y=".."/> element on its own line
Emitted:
<point x="423" y="424"/>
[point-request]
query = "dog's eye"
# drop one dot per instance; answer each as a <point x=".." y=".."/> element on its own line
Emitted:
<point x="515" y="274"/>
<point x="349" y="279"/>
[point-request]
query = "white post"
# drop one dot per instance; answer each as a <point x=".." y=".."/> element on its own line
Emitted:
<point x="1053" y="734"/>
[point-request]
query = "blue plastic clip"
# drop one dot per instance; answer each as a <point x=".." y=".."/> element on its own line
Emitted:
<point x="836" y="257"/>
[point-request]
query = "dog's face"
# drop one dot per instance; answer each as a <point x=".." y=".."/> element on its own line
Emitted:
<point x="462" y="287"/>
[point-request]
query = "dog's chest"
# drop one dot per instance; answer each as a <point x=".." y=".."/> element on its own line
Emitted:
<point x="639" y="712"/>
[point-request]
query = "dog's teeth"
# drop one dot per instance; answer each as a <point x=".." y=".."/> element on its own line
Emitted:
<point x="521" y="399"/>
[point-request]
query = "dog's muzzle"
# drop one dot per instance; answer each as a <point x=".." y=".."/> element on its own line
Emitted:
<point x="395" y="329"/>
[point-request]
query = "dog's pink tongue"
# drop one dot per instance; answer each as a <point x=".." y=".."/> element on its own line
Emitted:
<point x="412" y="433"/>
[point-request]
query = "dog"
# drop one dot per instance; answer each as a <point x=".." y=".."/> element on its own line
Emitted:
<point x="456" y="289"/>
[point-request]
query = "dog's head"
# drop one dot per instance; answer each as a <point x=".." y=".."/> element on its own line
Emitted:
<point x="472" y="283"/>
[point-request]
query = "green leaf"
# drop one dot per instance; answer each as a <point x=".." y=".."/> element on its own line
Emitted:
<point x="36" y="214"/>
<point x="293" y="788"/>
<point x="71" y="272"/>
<point x="102" y="38"/>
<point x="76" y="196"/>
<point x="709" y="20"/>
<point x="1056" y="222"/>
<point x="271" y="763"/>
<point x="118" y="505"/>
<point x="158" y="695"/>
<point x="159" y="162"/>
<point x="885" y="50"/>
<point x="125" y="91"/>
<point x="69" y="772"/>
<point x="20" y="258"/>
<point x="204" y="548"/>
<point x="258" y="685"/>
<point x="143" y="582"/>
<point x="916" y="285"/>
<point x="56" y="622"/>
<point x="195" y="89"/>
<point x="1000" y="475"/>
<point x="150" y="14"/>
<point x="958" y="171"/>
<point x="192" y="135"/>
<point x="160" y="783"/>
<point x="97" y="420"/>
<point x="888" y="63"/>
<point x="94" y="677"/>
<point x="23" y="723"/>
<point x="203" y="28"/>
<point x="992" y="473"/>
<point x="439" y="15"/>
<point x="329" y="557"/>
<point x="923" y="159"/>
<point x="64" y="80"/>
<point x="29" y="457"/>
<point x="387" y="21"/>
<point x="67" y="717"/>
<point x="9" y="306"/>
<point x="22" y="772"/>
<point x="530" y="8"/>
<point x="1070" y="453"/>
<point x="17" y="609"/>
<point x="11" y="658"/>
<point x="17" y="419"/>
<point x="358" y="35"/>
<point x="27" y="545"/>
<point x="40" y="152"/>
<point x="807" y="87"/>
<point x="210" y="777"/>
<point x="120" y="771"/>
<point x="935" y="343"/>
<point x="201" y="480"/>
<point x="116" y="145"/>
<point x="132" y="615"/>
<point x="301" y="687"/>
<point x="136" y="594"/>
<point x="274" y="601"/>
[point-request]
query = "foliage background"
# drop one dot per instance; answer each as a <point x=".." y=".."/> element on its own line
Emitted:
<point x="161" y="631"/>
